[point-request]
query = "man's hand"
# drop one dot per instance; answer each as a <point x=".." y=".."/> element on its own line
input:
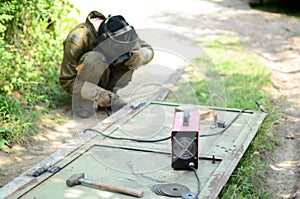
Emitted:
<point x="139" y="57"/>
<point x="104" y="98"/>
<point x="95" y="93"/>
<point x="135" y="61"/>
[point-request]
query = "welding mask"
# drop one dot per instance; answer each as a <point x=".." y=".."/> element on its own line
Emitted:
<point x="117" y="39"/>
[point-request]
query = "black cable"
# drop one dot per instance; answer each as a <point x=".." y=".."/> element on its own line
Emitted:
<point x="223" y="130"/>
<point x="166" y="138"/>
<point x="106" y="111"/>
<point x="198" y="179"/>
<point x="128" y="139"/>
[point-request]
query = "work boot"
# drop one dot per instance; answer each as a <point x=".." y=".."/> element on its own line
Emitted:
<point x="82" y="108"/>
<point x="83" y="113"/>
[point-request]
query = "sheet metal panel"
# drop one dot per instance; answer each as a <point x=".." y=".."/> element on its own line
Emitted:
<point x="141" y="165"/>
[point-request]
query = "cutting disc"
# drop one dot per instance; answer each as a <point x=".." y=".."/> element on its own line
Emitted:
<point x="156" y="189"/>
<point x="174" y="189"/>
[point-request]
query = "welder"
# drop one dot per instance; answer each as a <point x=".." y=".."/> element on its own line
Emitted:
<point x="100" y="57"/>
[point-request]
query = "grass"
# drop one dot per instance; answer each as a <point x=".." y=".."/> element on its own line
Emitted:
<point x="243" y="76"/>
<point x="245" y="80"/>
<point x="20" y="122"/>
<point x="249" y="180"/>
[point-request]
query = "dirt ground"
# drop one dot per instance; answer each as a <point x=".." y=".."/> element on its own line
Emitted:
<point x="276" y="38"/>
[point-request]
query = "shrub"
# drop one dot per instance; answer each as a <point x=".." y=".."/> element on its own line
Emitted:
<point x="31" y="51"/>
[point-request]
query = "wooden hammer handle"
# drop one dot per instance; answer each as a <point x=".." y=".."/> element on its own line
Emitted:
<point x="124" y="190"/>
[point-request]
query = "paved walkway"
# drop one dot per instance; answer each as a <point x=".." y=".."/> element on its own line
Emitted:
<point x="275" y="38"/>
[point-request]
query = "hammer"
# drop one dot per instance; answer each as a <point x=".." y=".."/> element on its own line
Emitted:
<point x="77" y="179"/>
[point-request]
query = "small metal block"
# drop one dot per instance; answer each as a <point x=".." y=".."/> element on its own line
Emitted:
<point x="221" y="124"/>
<point x="138" y="103"/>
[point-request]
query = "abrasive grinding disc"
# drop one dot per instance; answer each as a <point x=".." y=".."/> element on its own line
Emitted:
<point x="156" y="189"/>
<point x="174" y="189"/>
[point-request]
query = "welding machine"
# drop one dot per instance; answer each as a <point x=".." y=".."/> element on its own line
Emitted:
<point x="185" y="140"/>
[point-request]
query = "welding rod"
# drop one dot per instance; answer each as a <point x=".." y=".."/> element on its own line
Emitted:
<point x="261" y="107"/>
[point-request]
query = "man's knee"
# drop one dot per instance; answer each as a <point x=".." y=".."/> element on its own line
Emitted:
<point x="93" y="67"/>
<point x="92" y="57"/>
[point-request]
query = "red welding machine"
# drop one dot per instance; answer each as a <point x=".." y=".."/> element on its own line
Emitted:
<point x="185" y="140"/>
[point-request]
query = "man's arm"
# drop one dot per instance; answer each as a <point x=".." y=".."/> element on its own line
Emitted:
<point x="74" y="48"/>
<point x="140" y="56"/>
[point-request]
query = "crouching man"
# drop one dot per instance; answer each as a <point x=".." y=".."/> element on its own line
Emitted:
<point x="100" y="57"/>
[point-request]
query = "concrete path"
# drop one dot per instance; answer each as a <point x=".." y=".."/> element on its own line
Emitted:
<point x="275" y="38"/>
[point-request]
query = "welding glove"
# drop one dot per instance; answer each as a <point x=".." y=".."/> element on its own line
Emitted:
<point x="97" y="94"/>
<point x="139" y="57"/>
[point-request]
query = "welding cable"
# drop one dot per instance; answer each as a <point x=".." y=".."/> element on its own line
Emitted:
<point x="166" y="138"/>
<point x="106" y="111"/>
<point x="191" y="165"/>
<point x="126" y="139"/>
<point x="223" y="130"/>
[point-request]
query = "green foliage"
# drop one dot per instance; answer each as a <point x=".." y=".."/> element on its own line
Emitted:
<point x="31" y="51"/>
<point x="2" y="140"/>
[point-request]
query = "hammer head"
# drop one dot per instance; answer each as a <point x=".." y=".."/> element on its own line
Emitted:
<point x="74" y="179"/>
